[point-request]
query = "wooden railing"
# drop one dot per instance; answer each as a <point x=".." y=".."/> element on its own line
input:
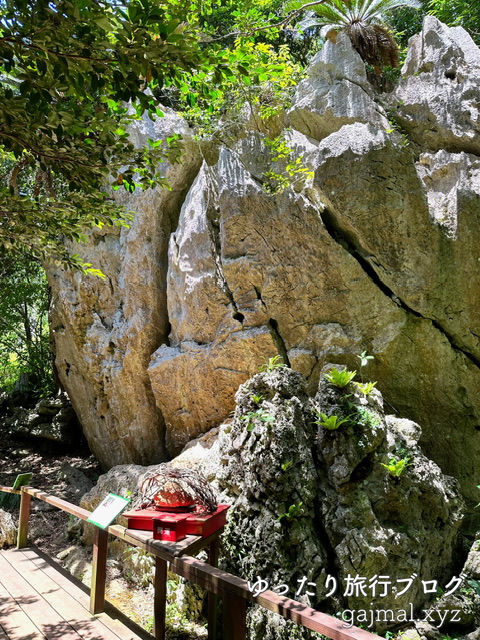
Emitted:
<point x="233" y="590"/>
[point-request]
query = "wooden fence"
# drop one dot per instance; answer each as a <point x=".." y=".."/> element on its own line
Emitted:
<point x="233" y="590"/>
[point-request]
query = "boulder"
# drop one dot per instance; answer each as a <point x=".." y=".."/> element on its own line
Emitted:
<point x="336" y="92"/>
<point x="51" y="419"/>
<point x="435" y="101"/>
<point x="309" y="502"/>
<point x="8" y="530"/>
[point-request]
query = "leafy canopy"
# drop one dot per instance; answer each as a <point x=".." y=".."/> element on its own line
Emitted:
<point x="73" y="74"/>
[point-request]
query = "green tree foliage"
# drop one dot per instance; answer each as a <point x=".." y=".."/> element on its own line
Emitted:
<point x="73" y="73"/>
<point x="464" y="13"/>
<point x="406" y="22"/>
<point x="24" y="334"/>
<point x="67" y="71"/>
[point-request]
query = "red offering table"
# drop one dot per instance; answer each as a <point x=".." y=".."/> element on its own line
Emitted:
<point x="196" y="525"/>
<point x="172" y="527"/>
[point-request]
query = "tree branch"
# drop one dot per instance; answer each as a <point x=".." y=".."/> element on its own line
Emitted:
<point x="14" y="173"/>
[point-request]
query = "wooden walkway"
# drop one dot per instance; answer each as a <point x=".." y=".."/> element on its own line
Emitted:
<point x="41" y="601"/>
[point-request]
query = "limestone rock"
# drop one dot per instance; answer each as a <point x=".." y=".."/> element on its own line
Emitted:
<point x="78" y="481"/>
<point x="341" y="511"/>
<point x="51" y="419"/>
<point x="460" y="610"/>
<point x="268" y="471"/>
<point x="436" y="101"/>
<point x="243" y="319"/>
<point x="377" y="253"/>
<point x="417" y="264"/>
<point x="199" y="452"/>
<point x="8" y="530"/>
<point x="472" y="565"/>
<point x="335" y="93"/>
<point x="106" y="330"/>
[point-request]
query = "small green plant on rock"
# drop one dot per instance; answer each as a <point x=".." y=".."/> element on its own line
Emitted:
<point x="330" y="422"/>
<point x="257" y="399"/>
<point x="396" y="467"/>
<point x="474" y="585"/>
<point x="366" y="418"/>
<point x="364" y="358"/>
<point x="287" y="465"/>
<point x="340" y="378"/>
<point x="366" y="388"/>
<point x="273" y="363"/>
<point x="294" y="511"/>
<point x="260" y="414"/>
<point x="294" y="173"/>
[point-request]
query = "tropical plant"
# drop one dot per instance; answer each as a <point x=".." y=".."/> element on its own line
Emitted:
<point x="340" y="378"/>
<point x="73" y="75"/>
<point x="362" y="21"/>
<point x="273" y="363"/>
<point x="293" y="172"/>
<point x="330" y="422"/>
<point x="366" y="388"/>
<point x="396" y="467"/>
<point x="364" y="358"/>
<point x="260" y="414"/>
<point x="68" y="69"/>
<point x="294" y="511"/>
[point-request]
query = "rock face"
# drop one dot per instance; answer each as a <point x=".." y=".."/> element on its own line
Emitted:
<point x="377" y="252"/>
<point x="51" y="419"/>
<point x="106" y="331"/>
<point x="317" y="503"/>
<point x="8" y="530"/>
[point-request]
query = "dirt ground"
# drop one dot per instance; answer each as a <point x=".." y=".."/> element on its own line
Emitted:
<point x="52" y="532"/>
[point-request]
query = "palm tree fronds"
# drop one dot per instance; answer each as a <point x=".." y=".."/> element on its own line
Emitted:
<point x="329" y="13"/>
<point x="377" y="8"/>
<point x="361" y="20"/>
<point x="374" y="43"/>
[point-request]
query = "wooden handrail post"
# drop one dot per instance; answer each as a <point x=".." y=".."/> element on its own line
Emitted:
<point x="212" y="597"/>
<point x="99" y="571"/>
<point x="160" y="598"/>
<point x="234" y="617"/>
<point x="23" y="518"/>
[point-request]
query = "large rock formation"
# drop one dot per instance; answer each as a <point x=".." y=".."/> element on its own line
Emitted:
<point x="315" y="511"/>
<point x="106" y="330"/>
<point x="312" y="502"/>
<point x="377" y="252"/>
